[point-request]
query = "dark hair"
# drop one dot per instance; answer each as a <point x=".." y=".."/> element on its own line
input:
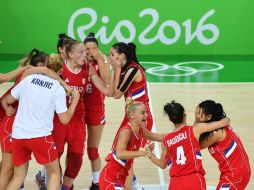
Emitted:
<point x="91" y="38"/>
<point x="34" y="57"/>
<point x="175" y="112"/>
<point x="210" y="107"/>
<point x="129" y="50"/>
<point x="62" y="40"/>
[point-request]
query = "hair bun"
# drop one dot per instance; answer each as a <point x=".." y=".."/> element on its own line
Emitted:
<point x="62" y="35"/>
<point x="91" y="35"/>
<point x="129" y="101"/>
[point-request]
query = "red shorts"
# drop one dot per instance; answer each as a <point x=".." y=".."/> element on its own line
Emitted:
<point x="106" y="184"/>
<point x="5" y="133"/>
<point x="149" y="124"/>
<point x="43" y="149"/>
<point x="195" y="181"/>
<point x="73" y="134"/>
<point x="238" y="183"/>
<point x="95" y="116"/>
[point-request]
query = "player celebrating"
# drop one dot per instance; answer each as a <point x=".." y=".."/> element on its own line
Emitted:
<point x="181" y="150"/>
<point x="225" y="147"/>
<point x="126" y="147"/>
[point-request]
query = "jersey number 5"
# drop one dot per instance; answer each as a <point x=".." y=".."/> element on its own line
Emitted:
<point x="180" y="157"/>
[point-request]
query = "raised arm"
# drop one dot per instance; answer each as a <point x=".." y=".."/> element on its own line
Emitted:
<point x="152" y="136"/>
<point x="12" y="75"/>
<point x="46" y="71"/>
<point x="66" y="116"/>
<point x="104" y="66"/>
<point x="216" y="136"/>
<point x="200" y="128"/>
<point x="97" y="81"/>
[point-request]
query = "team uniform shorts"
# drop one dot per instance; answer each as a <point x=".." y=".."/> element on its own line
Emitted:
<point x="195" y="181"/>
<point x="43" y="149"/>
<point x="106" y="183"/>
<point x="73" y="134"/>
<point x="95" y="116"/>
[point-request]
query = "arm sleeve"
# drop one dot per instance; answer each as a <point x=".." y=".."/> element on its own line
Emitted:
<point x="123" y="85"/>
<point x="60" y="100"/>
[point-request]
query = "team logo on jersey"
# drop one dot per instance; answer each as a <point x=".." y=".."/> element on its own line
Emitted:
<point x="225" y="187"/>
<point x="96" y="67"/>
<point x="83" y="81"/>
<point x="67" y="80"/>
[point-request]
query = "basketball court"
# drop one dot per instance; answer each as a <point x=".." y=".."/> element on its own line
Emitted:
<point x="188" y="81"/>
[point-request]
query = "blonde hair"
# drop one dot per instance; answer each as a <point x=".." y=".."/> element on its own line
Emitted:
<point x="131" y="105"/>
<point x="55" y="62"/>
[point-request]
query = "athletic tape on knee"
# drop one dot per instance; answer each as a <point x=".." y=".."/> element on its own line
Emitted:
<point x="92" y="153"/>
<point x="74" y="163"/>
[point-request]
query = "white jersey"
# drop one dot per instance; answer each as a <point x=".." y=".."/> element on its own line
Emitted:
<point x="39" y="97"/>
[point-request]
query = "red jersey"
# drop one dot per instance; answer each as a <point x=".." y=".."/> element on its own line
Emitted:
<point x="183" y="152"/>
<point x="119" y="168"/>
<point x="137" y="90"/>
<point x="231" y="156"/>
<point x="76" y="81"/>
<point x="92" y="96"/>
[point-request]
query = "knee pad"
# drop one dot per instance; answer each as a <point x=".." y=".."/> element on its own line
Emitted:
<point x="74" y="162"/>
<point x="92" y="153"/>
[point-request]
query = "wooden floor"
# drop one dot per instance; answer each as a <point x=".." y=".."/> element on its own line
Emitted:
<point x="238" y="102"/>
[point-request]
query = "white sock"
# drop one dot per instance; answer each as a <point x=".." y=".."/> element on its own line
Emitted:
<point x="43" y="171"/>
<point x="135" y="183"/>
<point x="96" y="176"/>
<point x="46" y="177"/>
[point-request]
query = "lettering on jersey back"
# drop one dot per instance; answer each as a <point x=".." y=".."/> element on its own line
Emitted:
<point x="176" y="139"/>
<point x="79" y="88"/>
<point x="42" y="83"/>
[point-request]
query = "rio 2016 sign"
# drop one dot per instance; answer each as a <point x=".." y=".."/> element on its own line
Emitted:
<point x="142" y="37"/>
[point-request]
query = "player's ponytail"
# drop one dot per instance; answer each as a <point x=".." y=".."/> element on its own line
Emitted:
<point x="55" y="62"/>
<point x="129" y="50"/>
<point x="31" y="56"/>
<point x="175" y="112"/>
<point x="62" y="40"/>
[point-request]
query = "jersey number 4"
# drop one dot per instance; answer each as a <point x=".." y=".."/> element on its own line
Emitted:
<point x="180" y="157"/>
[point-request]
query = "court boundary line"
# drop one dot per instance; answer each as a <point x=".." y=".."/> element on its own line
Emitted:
<point x="156" y="148"/>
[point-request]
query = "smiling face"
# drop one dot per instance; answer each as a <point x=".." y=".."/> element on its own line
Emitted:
<point x="139" y="115"/>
